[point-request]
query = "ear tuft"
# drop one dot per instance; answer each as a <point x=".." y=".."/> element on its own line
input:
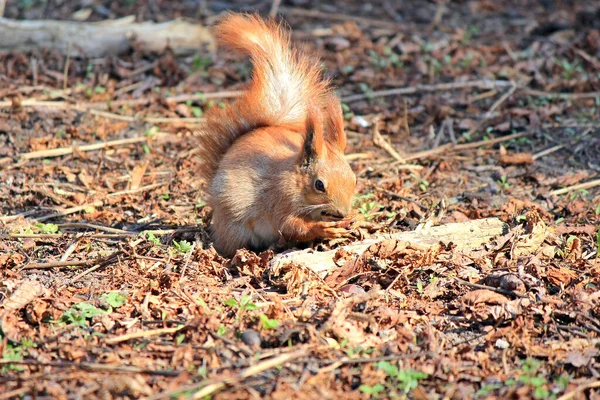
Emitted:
<point x="335" y="122"/>
<point x="314" y="140"/>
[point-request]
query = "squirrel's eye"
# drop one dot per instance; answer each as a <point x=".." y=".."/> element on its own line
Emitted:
<point x="319" y="186"/>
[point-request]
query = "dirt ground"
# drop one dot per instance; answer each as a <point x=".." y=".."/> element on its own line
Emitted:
<point x="109" y="285"/>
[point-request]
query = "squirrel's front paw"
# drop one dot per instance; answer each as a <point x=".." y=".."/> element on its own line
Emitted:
<point x="331" y="230"/>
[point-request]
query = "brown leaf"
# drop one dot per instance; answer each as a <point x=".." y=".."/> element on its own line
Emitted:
<point x="531" y="242"/>
<point x="515" y="158"/>
<point x="138" y="174"/>
<point x="484" y="296"/>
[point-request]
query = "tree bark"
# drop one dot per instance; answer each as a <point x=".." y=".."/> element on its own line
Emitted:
<point x="105" y="38"/>
<point x="465" y="235"/>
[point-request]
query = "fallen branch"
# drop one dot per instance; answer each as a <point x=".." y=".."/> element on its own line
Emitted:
<point x="580" y="186"/>
<point x="142" y="334"/>
<point x="481" y="84"/>
<point x="62" y="151"/>
<point x="380" y="142"/>
<point x="464" y="146"/>
<point x="465" y="235"/>
<point x="102" y="39"/>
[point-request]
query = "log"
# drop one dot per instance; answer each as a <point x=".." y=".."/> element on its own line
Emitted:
<point x="104" y="38"/>
<point x="465" y="235"/>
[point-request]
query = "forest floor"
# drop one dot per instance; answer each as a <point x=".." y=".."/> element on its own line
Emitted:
<point x="109" y="287"/>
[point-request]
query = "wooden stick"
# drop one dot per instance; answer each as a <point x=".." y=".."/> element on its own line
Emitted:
<point x="464" y="146"/>
<point x="465" y="235"/>
<point x="585" y="185"/>
<point x="61" y="151"/>
<point x="574" y="393"/>
<point x="68" y="211"/>
<point x="72" y="263"/>
<point x="142" y="334"/>
<point x="340" y="17"/>
<point x="204" y="96"/>
<point x="138" y="190"/>
<point x="481" y="84"/>
<point x="274" y="8"/>
<point x="547" y="151"/>
<point x="557" y="95"/>
<point x="83" y="225"/>
<point x="380" y="142"/>
<point x="92" y="367"/>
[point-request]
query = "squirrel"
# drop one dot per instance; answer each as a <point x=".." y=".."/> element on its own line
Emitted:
<point x="273" y="160"/>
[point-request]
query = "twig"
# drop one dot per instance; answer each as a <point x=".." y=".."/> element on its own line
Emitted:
<point x="115" y="256"/>
<point x="493" y="108"/>
<point x="274" y="8"/>
<point x="66" y="71"/>
<point x="92" y="367"/>
<point x="380" y="142"/>
<point x="543" y="153"/>
<point x="481" y="84"/>
<point x="204" y="96"/>
<point x="72" y="263"/>
<point x="340" y="17"/>
<point x="493" y="289"/>
<point x="61" y="151"/>
<point x="137" y="190"/>
<point x="573" y="393"/>
<point x="142" y="334"/>
<point x="554" y="95"/>
<point x="68" y="211"/>
<point x="465" y="146"/>
<point x="84" y="225"/>
<point x="585" y="185"/>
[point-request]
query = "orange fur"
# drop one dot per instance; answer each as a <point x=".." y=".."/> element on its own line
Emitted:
<point x="264" y="152"/>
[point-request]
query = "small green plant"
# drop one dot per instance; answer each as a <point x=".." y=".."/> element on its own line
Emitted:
<point x="221" y="330"/>
<point x="47" y="228"/>
<point x="503" y="182"/>
<point x="373" y="391"/>
<point x="569" y="69"/>
<point x="348" y="114"/>
<point x="366" y="89"/>
<point x="12" y="353"/>
<point x="398" y="381"/>
<point x="152" y="239"/>
<point x="268" y="323"/>
<point x="419" y="287"/>
<point x="113" y="299"/>
<point x="150" y="133"/>
<point x="578" y="193"/>
<point x="387" y="59"/>
<point x="182" y="247"/>
<point x="179" y="339"/>
<point x="165" y="196"/>
<point x="370" y="209"/>
<point x="244" y="304"/>
<point x="200" y="64"/>
<point x="79" y="313"/>
<point x="488" y="389"/>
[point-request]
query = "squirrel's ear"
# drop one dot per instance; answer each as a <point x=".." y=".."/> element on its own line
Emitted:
<point x="313" y="141"/>
<point x="335" y="122"/>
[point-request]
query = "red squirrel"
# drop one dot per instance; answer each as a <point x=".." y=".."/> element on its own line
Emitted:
<point x="274" y="158"/>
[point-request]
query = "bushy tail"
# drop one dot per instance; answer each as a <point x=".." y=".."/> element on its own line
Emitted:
<point x="284" y="82"/>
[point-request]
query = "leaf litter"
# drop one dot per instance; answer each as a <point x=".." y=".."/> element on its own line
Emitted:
<point x="134" y="303"/>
